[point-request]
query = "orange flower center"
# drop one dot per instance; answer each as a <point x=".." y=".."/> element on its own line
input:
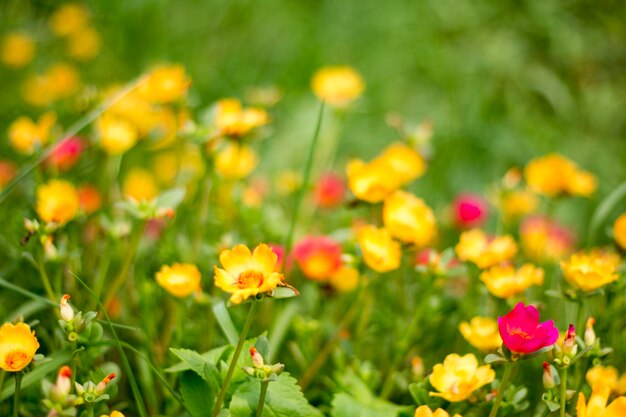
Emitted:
<point x="249" y="279"/>
<point x="16" y="360"/>
<point x="516" y="331"/>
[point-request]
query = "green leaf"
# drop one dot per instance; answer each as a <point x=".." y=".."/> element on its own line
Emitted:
<point x="263" y="347"/>
<point x="494" y="358"/>
<point x="170" y="198"/>
<point x="419" y="393"/>
<point x="345" y="405"/>
<point x="198" y="395"/>
<point x="223" y="319"/>
<point x="283" y="292"/>
<point x="284" y="399"/>
<point x="195" y="361"/>
<point x="604" y="209"/>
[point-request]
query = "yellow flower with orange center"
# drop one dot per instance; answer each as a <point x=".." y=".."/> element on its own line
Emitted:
<point x="68" y="19"/>
<point x="475" y="246"/>
<point x="57" y="201"/>
<point x="165" y="84"/>
<point x="459" y="376"/>
<point x="18" y="345"/>
<point x="554" y="174"/>
<point x="619" y="231"/>
<point x="180" y="280"/>
<point x="117" y="134"/>
<point x="590" y="271"/>
<point x="425" y="411"/>
<point x="482" y="333"/>
<point x="17" y="50"/>
<point x="247" y="274"/>
<point x="235" y="161"/>
<point x="84" y="44"/>
<point x="337" y="86"/>
<point x="139" y="185"/>
<point x="25" y="135"/>
<point x="380" y="252"/>
<point x="609" y="376"/>
<point x="504" y="281"/>
<point x="596" y="407"/>
<point x="409" y="219"/>
<point x="232" y="119"/>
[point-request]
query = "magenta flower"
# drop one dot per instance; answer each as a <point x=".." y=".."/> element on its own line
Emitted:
<point x="469" y="210"/>
<point x="522" y="333"/>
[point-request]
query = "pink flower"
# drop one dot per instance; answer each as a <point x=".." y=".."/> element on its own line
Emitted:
<point x="469" y="210"/>
<point x="66" y="153"/>
<point x="522" y="333"/>
<point x="330" y="191"/>
<point x="318" y="256"/>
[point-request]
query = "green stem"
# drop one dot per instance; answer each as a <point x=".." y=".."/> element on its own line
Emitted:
<point x="259" y="409"/>
<point x="90" y="410"/>
<point x="45" y="279"/>
<point x="563" y="390"/>
<point x="305" y="180"/>
<point x="73" y="363"/>
<point x="233" y="363"/>
<point x="504" y="383"/>
<point x="16" y="396"/>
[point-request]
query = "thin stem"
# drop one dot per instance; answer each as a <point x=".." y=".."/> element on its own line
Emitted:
<point x="16" y="396"/>
<point x="259" y="409"/>
<point x="563" y="390"/>
<point x="508" y="369"/>
<point x="45" y="279"/>
<point x="305" y="180"/>
<point x="233" y="363"/>
<point x="90" y="410"/>
<point x="73" y="364"/>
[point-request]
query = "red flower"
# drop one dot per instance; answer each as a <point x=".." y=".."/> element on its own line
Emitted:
<point x="318" y="257"/>
<point x="469" y="210"/>
<point x="329" y="191"/>
<point x="522" y="333"/>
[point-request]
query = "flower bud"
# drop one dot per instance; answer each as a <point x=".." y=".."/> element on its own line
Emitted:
<point x="569" y="344"/>
<point x="278" y="368"/>
<point x="64" y="383"/>
<point x="257" y="359"/>
<point x="67" y="312"/>
<point x="102" y="385"/>
<point x="590" y="334"/>
<point x="548" y="378"/>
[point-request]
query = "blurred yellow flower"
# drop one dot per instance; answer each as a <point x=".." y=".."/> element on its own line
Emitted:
<point x="475" y="246"/>
<point x="619" y="231"/>
<point x="231" y="119"/>
<point x="247" y="274"/>
<point x="425" y="411"/>
<point x="25" y="135"/>
<point x="18" y="345"/>
<point x="504" y="281"/>
<point x="166" y="165"/>
<point x="515" y="204"/>
<point x="404" y="162"/>
<point x="165" y="84"/>
<point x="459" y="376"/>
<point x="607" y="375"/>
<point x="482" y="333"/>
<point x="57" y="201"/>
<point x="235" y="161"/>
<point x="345" y="279"/>
<point x="64" y="80"/>
<point x="117" y="135"/>
<point x="590" y="271"/>
<point x="37" y="90"/>
<point x="18" y="49"/>
<point x="180" y="280"/>
<point x="380" y="252"/>
<point x="544" y="240"/>
<point x="554" y="174"/>
<point x="84" y="44"/>
<point x="337" y="86"/>
<point x="597" y="404"/>
<point x="69" y="19"/>
<point x="114" y="414"/>
<point x="288" y="182"/>
<point x="139" y="185"/>
<point x="409" y="219"/>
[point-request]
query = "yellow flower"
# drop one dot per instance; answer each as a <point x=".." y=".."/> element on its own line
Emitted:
<point x="18" y="345"/>
<point x="18" y="49"/>
<point x="165" y="84"/>
<point x="459" y="376"/>
<point x="84" y="44"/>
<point x="37" y="90"/>
<point x="619" y="231"/>
<point x="114" y="414"/>
<point x="64" y="80"/>
<point x="235" y="161"/>
<point x="403" y="162"/>
<point x="544" y="240"/>
<point x="117" y="135"/>
<point x="554" y="174"/>
<point x="139" y="185"/>
<point x="68" y="19"/>
<point x="247" y="274"/>
<point x="57" y="201"/>
<point x="345" y="279"/>
<point x="590" y="271"/>
<point x="180" y="280"/>
<point x="609" y="376"/>
<point x="505" y="282"/>
<point x="597" y="404"/>
<point x="166" y="165"/>
<point x="231" y="119"/>
<point x="380" y="251"/>
<point x="482" y="333"/>
<point x="475" y="246"/>
<point x="337" y="86"/>
<point x="515" y="204"/>
<point x="409" y="219"/>
<point x="26" y="135"/>
<point x="425" y="411"/>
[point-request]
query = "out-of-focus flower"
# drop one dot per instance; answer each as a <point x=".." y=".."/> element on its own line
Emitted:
<point x="288" y="182"/>
<point x="609" y="376"/>
<point x="597" y="404"/>
<point x="403" y="162"/>
<point x="344" y="279"/>
<point x="482" y="333"/>
<point x="544" y="240"/>
<point x="436" y="262"/>
<point x="231" y="119"/>
<point x="167" y="165"/>
<point x="475" y="246"/>
<point x="116" y="134"/>
<point x="89" y="198"/>
<point x="69" y="19"/>
<point x="66" y="154"/>
<point x="235" y="161"/>
<point x="459" y="376"/>
<point x="57" y="201"/>
<point x="548" y="379"/>
<point x="64" y="80"/>
<point x="139" y="185"/>
<point x="505" y="281"/>
<point x="18" y="49"/>
<point x="522" y="333"/>
<point x="165" y="84"/>
<point x="37" y="90"/>
<point x="380" y="251"/>
<point x="518" y="203"/>
<point x="67" y="312"/>
<point x="329" y="191"/>
<point x="7" y="172"/>
<point x="469" y="210"/>
<point x="554" y="175"/>
<point x="84" y="44"/>
<point x="318" y="256"/>
<point x="590" y="334"/>
<point x="247" y="274"/>
<point x="409" y="219"/>
<point x="180" y="280"/>
<point x="590" y="271"/>
<point x="18" y="345"/>
<point x="425" y="411"/>
<point x="265" y="96"/>
<point x="337" y="86"/>
<point x="114" y="414"/>
<point x="619" y="231"/>
<point x="25" y="135"/>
